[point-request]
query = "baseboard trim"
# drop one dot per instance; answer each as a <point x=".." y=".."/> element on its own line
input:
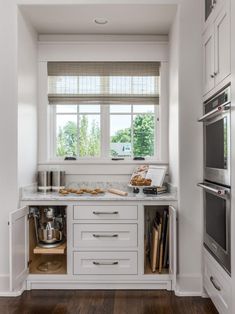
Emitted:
<point x="188" y="293"/>
<point x="12" y="293"/>
<point x="70" y="285"/>
<point x="5" y="287"/>
<point x="189" y="286"/>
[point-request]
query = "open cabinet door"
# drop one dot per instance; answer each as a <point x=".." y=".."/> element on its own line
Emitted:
<point x="173" y="244"/>
<point x="18" y="229"/>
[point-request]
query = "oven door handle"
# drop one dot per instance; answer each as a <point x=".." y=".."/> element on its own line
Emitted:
<point x="218" y="110"/>
<point x="210" y="189"/>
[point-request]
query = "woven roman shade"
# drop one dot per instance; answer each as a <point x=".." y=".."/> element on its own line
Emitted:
<point x="103" y="82"/>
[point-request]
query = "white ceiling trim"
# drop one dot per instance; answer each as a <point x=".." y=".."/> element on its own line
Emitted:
<point x="100" y="38"/>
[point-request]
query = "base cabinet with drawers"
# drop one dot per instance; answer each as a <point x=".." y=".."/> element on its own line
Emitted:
<point x="217" y="284"/>
<point x="105" y="247"/>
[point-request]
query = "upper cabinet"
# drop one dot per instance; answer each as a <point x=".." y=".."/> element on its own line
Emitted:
<point x="209" y="5"/>
<point x="211" y="10"/>
<point x="216" y="49"/>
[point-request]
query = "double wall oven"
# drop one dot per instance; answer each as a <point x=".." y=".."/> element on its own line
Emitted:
<point x="216" y="185"/>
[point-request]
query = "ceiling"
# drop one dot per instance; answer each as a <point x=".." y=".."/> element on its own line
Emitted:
<point x="126" y="19"/>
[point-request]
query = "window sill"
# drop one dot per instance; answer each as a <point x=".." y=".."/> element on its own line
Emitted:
<point x="102" y="162"/>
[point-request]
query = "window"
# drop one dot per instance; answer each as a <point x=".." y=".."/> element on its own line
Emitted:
<point x="132" y="130"/>
<point x="77" y="130"/>
<point x="104" y="110"/>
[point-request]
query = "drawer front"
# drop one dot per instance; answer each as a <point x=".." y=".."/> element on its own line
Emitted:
<point x="217" y="284"/>
<point x="105" y="263"/>
<point x="105" y="235"/>
<point x="103" y="212"/>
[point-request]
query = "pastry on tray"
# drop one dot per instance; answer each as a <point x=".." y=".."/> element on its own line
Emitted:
<point x="63" y="192"/>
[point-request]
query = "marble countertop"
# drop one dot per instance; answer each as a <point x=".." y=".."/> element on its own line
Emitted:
<point x="54" y="196"/>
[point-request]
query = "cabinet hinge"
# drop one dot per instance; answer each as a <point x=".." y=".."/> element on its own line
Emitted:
<point x="8" y="223"/>
<point x="29" y="262"/>
<point x="30" y="215"/>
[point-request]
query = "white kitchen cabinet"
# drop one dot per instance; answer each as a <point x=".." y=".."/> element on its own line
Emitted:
<point x="105" y="263"/>
<point x="217" y="284"/>
<point x="216" y="50"/>
<point x="92" y="262"/>
<point x="208" y="59"/>
<point x="105" y="212"/>
<point x="23" y="260"/>
<point x="18" y="230"/>
<point x="222" y="45"/>
<point x="105" y="235"/>
<point x="211" y="10"/>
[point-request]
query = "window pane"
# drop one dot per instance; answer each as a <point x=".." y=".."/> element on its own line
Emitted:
<point x="66" y="135"/>
<point x="120" y="135"/>
<point x="120" y="108"/>
<point x="89" y="108"/>
<point x="143" y="108"/>
<point x="66" y="108"/>
<point x="143" y="135"/>
<point x="89" y="135"/>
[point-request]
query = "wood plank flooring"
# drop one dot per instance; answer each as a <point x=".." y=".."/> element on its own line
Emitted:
<point x="104" y="302"/>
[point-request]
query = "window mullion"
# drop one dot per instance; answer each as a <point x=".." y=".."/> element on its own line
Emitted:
<point x="132" y="133"/>
<point x="78" y="130"/>
<point x="105" y="117"/>
<point x="157" y="145"/>
<point x="53" y="144"/>
<point x="104" y="120"/>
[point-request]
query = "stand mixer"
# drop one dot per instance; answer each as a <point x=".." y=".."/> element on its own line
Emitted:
<point x="49" y="225"/>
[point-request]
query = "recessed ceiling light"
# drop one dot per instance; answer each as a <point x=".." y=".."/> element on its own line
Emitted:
<point x="101" y="21"/>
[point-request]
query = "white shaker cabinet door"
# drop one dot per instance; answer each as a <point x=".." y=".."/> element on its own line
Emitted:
<point x="173" y="244"/>
<point x="18" y="229"/>
<point x="208" y="60"/>
<point x="222" y="45"/>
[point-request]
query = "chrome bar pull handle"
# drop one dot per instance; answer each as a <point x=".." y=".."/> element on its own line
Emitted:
<point x="104" y="263"/>
<point x="217" y="110"/>
<point x="210" y="189"/>
<point x="105" y="235"/>
<point x="214" y="284"/>
<point x="105" y="213"/>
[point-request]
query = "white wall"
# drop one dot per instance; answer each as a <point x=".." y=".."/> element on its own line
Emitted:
<point x="186" y="141"/>
<point x="14" y="165"/>
<point x="174" y="102"/>
<point x="101" y="48"/>
<point x="8" y="127"/>
<point x="27" y="102"/>
<point x="190" y="133"/>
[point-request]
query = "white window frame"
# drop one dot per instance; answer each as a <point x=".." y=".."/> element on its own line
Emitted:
<point x="46" y="125"/>
<point x="104" y="133"/>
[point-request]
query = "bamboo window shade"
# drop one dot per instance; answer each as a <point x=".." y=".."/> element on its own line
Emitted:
<point x="103" y="82"/>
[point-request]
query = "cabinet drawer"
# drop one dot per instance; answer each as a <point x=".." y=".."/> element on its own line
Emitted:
<point x="105" y="263"/>
<point x="103" y="212"/>
<point x="105" y="235"/>
<point x="217" y="284"/>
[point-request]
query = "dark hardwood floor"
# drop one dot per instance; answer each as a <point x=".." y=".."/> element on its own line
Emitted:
<point x="104" y="302"/>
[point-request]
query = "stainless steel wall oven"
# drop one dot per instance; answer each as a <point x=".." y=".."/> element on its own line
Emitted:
<point x="216" y="137"/>
<point x="216" y="185"/>
<point x="217" y="229"/>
